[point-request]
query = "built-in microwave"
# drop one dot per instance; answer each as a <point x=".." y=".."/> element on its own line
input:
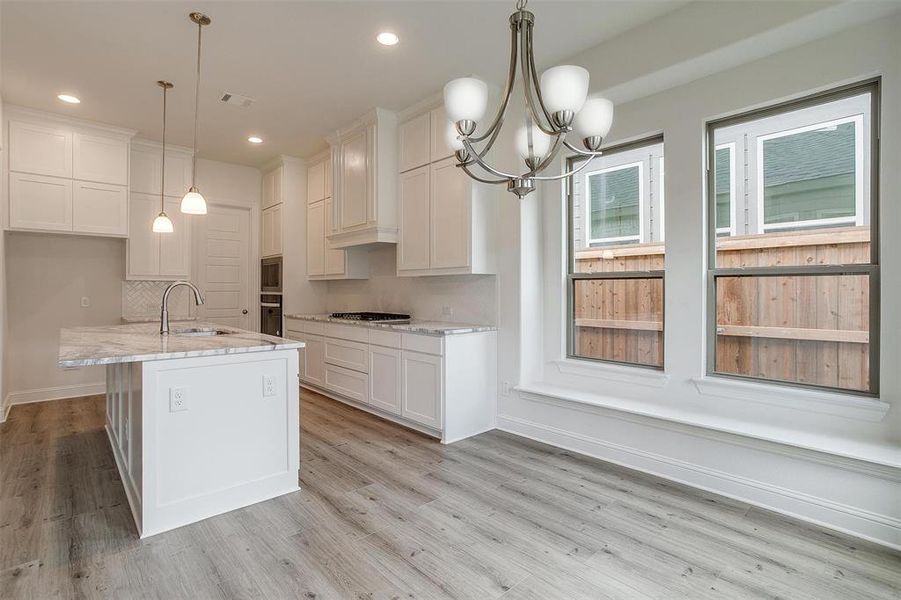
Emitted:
<point x="271" y="275"/>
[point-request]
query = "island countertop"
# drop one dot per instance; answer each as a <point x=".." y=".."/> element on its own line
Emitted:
<point x="138" y="342"/>
<point x="436" y="328"/>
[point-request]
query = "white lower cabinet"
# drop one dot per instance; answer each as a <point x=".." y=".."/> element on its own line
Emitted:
<point x="385" y="378"/>
<point x="442" y="385"/>
<point x="421" y="388"/>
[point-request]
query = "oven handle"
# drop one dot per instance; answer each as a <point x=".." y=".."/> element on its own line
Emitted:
<point x="270" y="305"/>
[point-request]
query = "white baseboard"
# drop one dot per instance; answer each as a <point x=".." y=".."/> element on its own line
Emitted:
<point x="879" y="528"/>
<point x="4" y="411"/>
<point x="59" y="392"/>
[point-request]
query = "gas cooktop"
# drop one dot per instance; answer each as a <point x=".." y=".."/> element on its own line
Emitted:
<point x="372" y="316"/>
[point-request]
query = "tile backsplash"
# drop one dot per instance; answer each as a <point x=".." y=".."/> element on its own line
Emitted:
<point x="142" y="299"/>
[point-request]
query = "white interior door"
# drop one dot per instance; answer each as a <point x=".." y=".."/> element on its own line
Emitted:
<point x="223" y="272"/>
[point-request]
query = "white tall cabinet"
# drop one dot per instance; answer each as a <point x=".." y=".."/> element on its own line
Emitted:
<point x="447" y="220"/>
<point x="158" y="256"/>
<point x="66" y="175"/>
<point x="272" y="202"/>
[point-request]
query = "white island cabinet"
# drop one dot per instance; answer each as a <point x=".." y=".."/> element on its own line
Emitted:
<point x="439" y="378"/>
<point x="199" y="425"/>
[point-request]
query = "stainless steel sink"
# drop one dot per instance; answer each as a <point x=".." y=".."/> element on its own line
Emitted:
<point x="200" y="331"/>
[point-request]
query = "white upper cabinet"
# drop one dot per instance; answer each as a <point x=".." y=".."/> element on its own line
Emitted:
<point x="316" y="239"/>
<point x="414" y="142"/>
<point x="40" y="149"/>
<point x="100" y="208"/>
<point x="413" y="247"/>
<point x="271" y="238"/>
<point x="143" y="248"/>
<point x="67" y="176"/>
<point x="273" y="185"/>
<point x="440" y="149"/>
<point x="175" y="247"/>
<point x="323" y="261"/>
<point x="335" y="258"/>
<point x="316" y="182"/>
<point x="100" y="158"/>
<point x="451" y="221"/>
<point x="364" y="160"/>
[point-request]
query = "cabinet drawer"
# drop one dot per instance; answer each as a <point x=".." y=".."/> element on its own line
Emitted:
<point x="348" y="383"/>
<point x="350" y="355"/>
<point x="384" y="338"/>
<point x="314" y="327"/>
<point x="348" y="332"/>
<point x="428" y="344"/>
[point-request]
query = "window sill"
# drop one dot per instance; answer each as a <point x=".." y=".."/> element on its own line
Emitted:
<point x="633" y="374"/>
<point x="831" y="403"/>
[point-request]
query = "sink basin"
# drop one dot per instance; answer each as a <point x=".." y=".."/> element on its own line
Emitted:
<point x="200" y="331"/>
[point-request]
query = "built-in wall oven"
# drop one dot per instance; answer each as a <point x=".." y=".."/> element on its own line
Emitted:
<point x="271" y="275"/>
<point x="271" y="314"/>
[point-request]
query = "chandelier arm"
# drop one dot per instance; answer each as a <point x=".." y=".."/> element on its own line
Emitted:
<point x="578" y="150"/>
<point x="465" y="167"/>
<point x="478" y="159"/>
<point x="495" y="127"/>
<point x="527" y="85"/>
<point x="547" y="159"/>
<point x="535" y="78"/>
<point x="562" y="175"/>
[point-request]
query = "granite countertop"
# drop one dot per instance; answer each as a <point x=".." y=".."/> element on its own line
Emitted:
<point x="138" y="342"/>
<point x="156" y="319"/>
<point x="414" y="326"/>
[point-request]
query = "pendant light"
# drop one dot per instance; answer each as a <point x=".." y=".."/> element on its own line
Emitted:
<point x="162" y="223"/>
<point x="193" y="202"/>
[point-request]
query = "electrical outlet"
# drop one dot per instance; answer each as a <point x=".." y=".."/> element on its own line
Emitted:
<point x="85" y="302"/>
<point x="178" y="399"/>
<point x="268" y="385"/>
<point x="447" y="311"/>
<point x="505" y="388"/>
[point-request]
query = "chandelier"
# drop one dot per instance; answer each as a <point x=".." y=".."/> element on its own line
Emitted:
<point x="556" y="104"/>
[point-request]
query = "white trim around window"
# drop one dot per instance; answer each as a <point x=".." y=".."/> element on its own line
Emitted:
<point x="733" y="208"/>
<point x="641" y="205"/>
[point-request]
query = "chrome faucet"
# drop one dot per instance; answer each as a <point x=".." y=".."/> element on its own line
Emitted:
<point x="164" y="309"/>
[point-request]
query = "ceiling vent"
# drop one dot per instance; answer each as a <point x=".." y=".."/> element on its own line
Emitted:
<point x="236" y="100"/>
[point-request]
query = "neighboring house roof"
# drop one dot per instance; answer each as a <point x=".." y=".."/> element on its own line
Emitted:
<point x="618" y="189"/>
<point x="809" y="155"/>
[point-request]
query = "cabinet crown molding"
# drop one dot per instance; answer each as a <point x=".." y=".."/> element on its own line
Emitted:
<point x="376" y="115"/>
<point x="145" y="144"/>
<point x="15" y="112"/>
<point x="282" y="159"/>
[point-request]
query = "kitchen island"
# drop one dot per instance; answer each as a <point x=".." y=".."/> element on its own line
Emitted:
<point x="202" y="421"/>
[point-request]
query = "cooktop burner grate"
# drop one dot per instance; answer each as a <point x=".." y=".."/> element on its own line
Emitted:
<point x="370" y="316"/>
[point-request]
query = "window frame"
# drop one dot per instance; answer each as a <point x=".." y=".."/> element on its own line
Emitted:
<point x="572" y="277"/>
<point x="641" y="210"/>
<point x="733" y="218"/>
<point x="871" y="269"/>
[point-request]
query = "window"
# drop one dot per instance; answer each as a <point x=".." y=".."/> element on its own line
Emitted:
<point x="793" y="250"/>
<point x="616" y="246"/>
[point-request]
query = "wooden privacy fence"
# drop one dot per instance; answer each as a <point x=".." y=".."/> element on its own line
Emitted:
<point x="808" y="329"/>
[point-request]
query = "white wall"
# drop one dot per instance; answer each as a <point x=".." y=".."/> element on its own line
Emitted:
<point x="470" y="298"/>
<point x="810" y="454"/>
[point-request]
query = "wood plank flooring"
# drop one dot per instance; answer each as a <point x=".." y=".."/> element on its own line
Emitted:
<point x="387" y="513"/>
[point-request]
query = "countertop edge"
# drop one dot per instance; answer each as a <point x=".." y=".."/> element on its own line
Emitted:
<point x="424" y="329"/>
<point x="112" y="360"/>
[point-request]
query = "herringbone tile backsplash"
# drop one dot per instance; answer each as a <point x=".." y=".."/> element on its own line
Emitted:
<point x="141" y="299"/>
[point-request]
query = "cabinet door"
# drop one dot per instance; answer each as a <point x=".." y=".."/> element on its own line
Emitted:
<point x="40" y="149"/>
<point x="413" y="248"/>
<point x="327" y="183"/>
<point x="175" y="247"/>
<point x="316" y="239"/>
<point x="354" y="181"/>
<point x="414" y="141"/>
<point x="385" y="378"/>
<point x="145" y="171"/>
<point x="272" y="188"/>
<point x="335" y="260"/>
<point x="316" y="182"/>
<point x="37" y="202"/>
<point x="100" y="158"/>
<point x="348" y="383"/>
<point x="100" y="208"/>
<point x="271" y="237"/>
<point x="440" y="124"/>
<point x="313" y="365"/>
<point x="143" y="244"/>
<point x="178" y="175"/>
<point x="421" y="388"/>
<point x="451" y="222"/>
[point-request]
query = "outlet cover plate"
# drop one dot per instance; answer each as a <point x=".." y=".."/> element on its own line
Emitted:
<point x="178" y="399"/>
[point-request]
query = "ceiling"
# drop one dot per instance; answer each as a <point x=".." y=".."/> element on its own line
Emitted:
<point x="310" y="66"/>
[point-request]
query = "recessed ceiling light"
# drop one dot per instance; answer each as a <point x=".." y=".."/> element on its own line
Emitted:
<point x="69" y="98"/>
<point x="386" y="38"/>
<point x="255" y="140"/>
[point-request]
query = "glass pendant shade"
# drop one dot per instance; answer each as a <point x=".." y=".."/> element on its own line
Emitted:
<point x="451" y="137"/>
<point x="162" y="224"/>
<point x="594" y="119"/>
<point x="193" y="203"/>
<point x="541" y="142"/>
<point x="466" y="99"/>
<point x="564" y="88"/>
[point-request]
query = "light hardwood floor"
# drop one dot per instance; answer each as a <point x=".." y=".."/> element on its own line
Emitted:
<point x="387" y="513"/>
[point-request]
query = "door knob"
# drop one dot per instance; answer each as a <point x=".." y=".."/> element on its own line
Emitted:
<point x="244" y="312"/>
